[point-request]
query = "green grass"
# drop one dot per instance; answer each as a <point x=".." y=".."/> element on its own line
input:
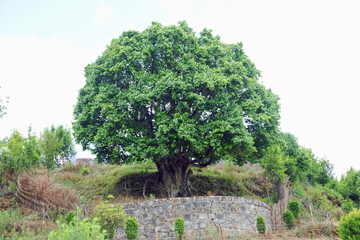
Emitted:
<point x="102" y="179"/>
<point x="126" y="182"/>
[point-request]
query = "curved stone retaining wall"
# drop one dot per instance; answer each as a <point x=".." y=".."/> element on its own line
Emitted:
<point x="234" y="214"/>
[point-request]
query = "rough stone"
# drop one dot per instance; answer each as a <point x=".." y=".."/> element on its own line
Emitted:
<point x="234" y="214"/>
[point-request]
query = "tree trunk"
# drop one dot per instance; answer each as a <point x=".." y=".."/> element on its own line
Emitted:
<point x="174" y="177"/>
<point x="282" y="190"/>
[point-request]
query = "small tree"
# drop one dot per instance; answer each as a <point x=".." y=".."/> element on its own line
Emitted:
<point x="288" y="218"/>
<point x="111" y="217"/>
<point x="349" y="227"/>
<point x="131" y="228"/>
<point x="18" y="152"/>
<point x="273" y="163"/>
<point x="179" y="228"/>
<point x="260" y="224"/>
<point x="56" y="146"/>
<point x="294" y="207"/>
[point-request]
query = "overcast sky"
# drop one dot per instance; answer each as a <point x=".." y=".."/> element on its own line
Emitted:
<point x="308" y="52"/>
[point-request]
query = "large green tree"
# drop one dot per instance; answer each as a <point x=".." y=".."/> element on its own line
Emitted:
<point x="177" y="98"/>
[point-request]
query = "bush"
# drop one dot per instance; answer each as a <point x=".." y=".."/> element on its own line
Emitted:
<point x="81" y="229"/>
<point x="349" y="227"/>
<point x="288" y="218"/>
<point x="111" y="217"/>
<point x="132" y="228"/>
<point x="69" y="219"/>
<point x="84" y="170"/>
<point x="179" y="228"/>
<point x="294" y="207"/>
<point x="347" y="205"/>
<point x="12" y="187"/>
<point x="260" y="224"/>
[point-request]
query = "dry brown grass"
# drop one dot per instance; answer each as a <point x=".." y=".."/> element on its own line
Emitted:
<point x="41" y="190"/>
<point x="68" y="175"/>
<point x="71" y="167"/>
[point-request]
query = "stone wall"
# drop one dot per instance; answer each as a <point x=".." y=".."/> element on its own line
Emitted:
<point x="234" y="214"/>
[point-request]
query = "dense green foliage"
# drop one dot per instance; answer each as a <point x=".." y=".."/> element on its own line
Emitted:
<point x="349" y="227"/>
<point x="18" y="153"/>
<point x="288" y="219"/>
<point x="285" y="158"/>
<point x="273" y="163"/>
<point x="54" y="147"/>
<point x="347" y="205"/>
<point x="294" y="207"/>
<point x="179" y="228"/>
<point x="260" y="224"/>
<point x="349" y="185"/>
<point x="179" y="99"/>
<point x="131" y="228"/>
<point x="301" y="164"/>
<point x="110" y="216"/>
<point x="79" y="229"/>
<point x="69" y="218"/>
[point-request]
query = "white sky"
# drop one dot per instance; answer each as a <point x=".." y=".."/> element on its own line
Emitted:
<point x="308" y="52"/>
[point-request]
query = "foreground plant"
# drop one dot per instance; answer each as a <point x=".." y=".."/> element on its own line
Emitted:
<point x="179" y="228"/>
<point x="294" y="207"/>
<point x="132" y="228"/>
<point x="260" y="225"/>
<point x="289" y="219"/>
<point x="78" y="229"/>
<point x="110" y="216"/>
<point x="349" y="227"/>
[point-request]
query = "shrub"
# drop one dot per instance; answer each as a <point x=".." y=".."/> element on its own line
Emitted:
<point x="111" y="217"/>
<point x="294" y="207"/>
<point x="84" y="170"/>
<point x="349" y="227"/>
<point x="179" y="228"/>
<point x="12" y="187"/>
<point x="288" y="218"/>
<point x="347" y="205"/>
<point x="260" y="224"/>
<point x="81" y="229"/>
<point x="132" y="228"/>
<point x="69" y="219"/>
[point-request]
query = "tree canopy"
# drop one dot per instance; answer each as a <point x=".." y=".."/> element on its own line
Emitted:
<point x="56" y="146"/>
<point x="177" y="98"/>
